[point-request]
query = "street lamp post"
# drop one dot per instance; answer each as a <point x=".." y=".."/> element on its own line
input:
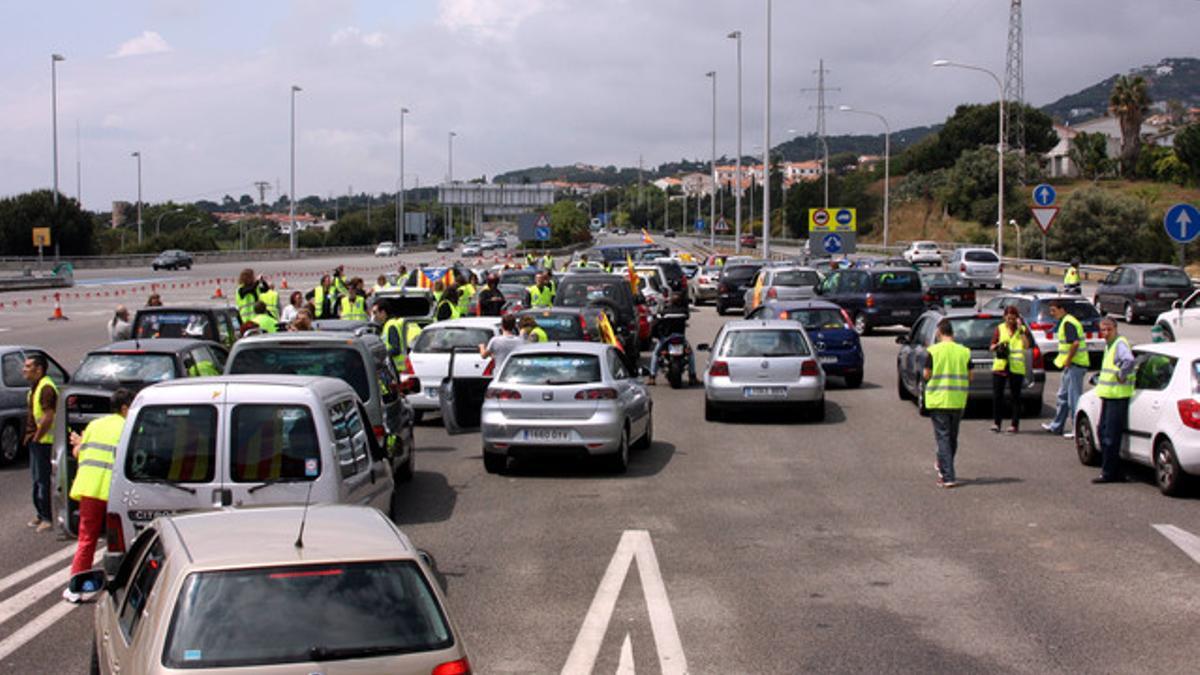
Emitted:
<point x="54" y="58"/>
<point x="158" y="220"/>
<point x="767" y="148"/>
<point x="292" y="189"/>
<point x="450" y="181"/>
<point x="941" y="63"/>
<point x="887" y="166"/>
<point x="737" y="219"/>
<point x="712" y="197"/>
<point x="138" y="155"/>
<point x="401" y="226"/>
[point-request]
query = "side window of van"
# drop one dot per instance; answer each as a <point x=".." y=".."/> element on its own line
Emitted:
<point x="349" y="438"/>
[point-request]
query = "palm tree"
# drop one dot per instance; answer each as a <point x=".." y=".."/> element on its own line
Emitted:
<point x="1129" y="103"/>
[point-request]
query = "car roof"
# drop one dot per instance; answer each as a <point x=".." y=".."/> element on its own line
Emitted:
<point x="760" y="324"/>
<point x="467" y="322"/>
<point x="787" y="305"/>
<point x="332" y="532"/>
<point x="791" y="267"/>
<point x="171" y="391"/>
<point x="965" y="313"/>
<point x="569" y="346"/>
<point x="1183" y="349"/>
<point x="331" y="337"/>
<point x="153" y="345"/>
<point x="534" y="311"/>
<point x="184" y="308"/>
<point x="1151" y="266"/>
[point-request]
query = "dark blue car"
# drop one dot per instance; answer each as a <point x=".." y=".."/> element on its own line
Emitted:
<point x="838" y="346"/>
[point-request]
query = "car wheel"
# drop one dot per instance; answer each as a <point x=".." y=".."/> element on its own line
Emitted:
<point x="711" y="412"/>
<point x="924" y="412"/>
<point x="154" y="267"/>
<point x="494" y="462"/>
<point x="860" y="324"/>
<point x="1128" y="315"/>
<point x="720" y="309"/>
<point x="647" y="438"/>
<point x="619" y="461"/>
<point x="405" y="473"/>
<point x="855" y="380"/>
<point x="1167" y="334"/>
<point x="901" y="390"/>
<point x="1085" y="442"/>
<point x="1167" y="472"/>
<point x="10" y="443"/>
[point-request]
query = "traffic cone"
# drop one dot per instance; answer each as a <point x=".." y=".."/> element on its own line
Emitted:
<point x="284" y="285"/>
<point x="58" y="313"/>
<point x="218" y="295"/>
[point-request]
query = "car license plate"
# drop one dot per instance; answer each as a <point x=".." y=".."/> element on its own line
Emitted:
<point x="548" y="435"/>
<point x="827" y="359"/>
<point x="953" y="298"/>
<point x="901" y="312"/>
<point x="1168" y="295"/>
<point x="432" y="392"/>
<point x="764" y="392"/>
<point x="675" y="350"/>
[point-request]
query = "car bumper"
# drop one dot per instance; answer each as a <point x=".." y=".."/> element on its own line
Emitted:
<point x="731" y="299"/>
<point x="426" y="399"/>
<point x="887" y="316"/>
<point x="599" y="434"/>
<point x="841" y="362"/>
<point x="704" y="292"/>
<point x="926" y="260"/>
<point x="1152" y="307"/>
<point x="989" y="279"/>
<point x="727" y="392"/>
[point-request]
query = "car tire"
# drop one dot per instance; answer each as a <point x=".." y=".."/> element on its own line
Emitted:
<point x="154" y="267"/>
<point x="711" y="412"/>
<point x="1128" y="314"/>
<point x="1031" y="407"/>
<point x="1085" y="442"/>
<point x="647" y="438"/>
<point x="1167" y="472"/>
<point x="94" y="666"/>
<point x="618" y="462"/>
<point x="720" y="309"/>
<point x="921" y="409"/>
<point x="901" y="390"/>
<point x="860" y="324"/>
<point x="10" y="443"/>
<point x="1168" y="335"/>
<point x="494" y="462"/>
<point x="855" y="380"/>
<point x="404" y="474"/>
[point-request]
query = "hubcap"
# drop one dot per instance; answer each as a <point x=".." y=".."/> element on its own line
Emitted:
<point x="1129" y="313"/>
<point x="1166" y="468"/>
<point x="8" y="443"/>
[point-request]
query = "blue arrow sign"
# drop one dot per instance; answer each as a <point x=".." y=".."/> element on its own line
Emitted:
<point x="699" y="224"/>
<point x="832" y="243"/>
<point x="1182" y="223"/>
<point x="1044" y="195"/>
<point x="541" y="233"/>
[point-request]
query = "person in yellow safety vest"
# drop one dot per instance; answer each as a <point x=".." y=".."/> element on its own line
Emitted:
<point x="381" y="284"/>
<point x="1114" y="388"/>
<point x="466" y="292"/>
<point x="398" y="335"/>
<point x="947" y="377"/>
<point x="439" y="288"/>
<point x="547" y="261"/>
<point x="269" y="296"/>
<point x="447" y="306"/>
<point x="95" y="451"/>
<point x="337" y="288"/>
<point x="1010" y="340"/>
<point x="42" y="402"/>
<point x="1071" y="278"/>
<point x="322" y="298"/>
<point x="1073" y="358"/>
<point x="353" y="306"/>
<point x="246" y="294"/>
<point x="540" y="294"/>
<point x="530" y="259"/>
<point x="531" y="331"/>
<point x="266" y="323"/>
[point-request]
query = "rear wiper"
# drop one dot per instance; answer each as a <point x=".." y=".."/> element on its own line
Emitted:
<point x="276" y="481"/>
<point x="319" y="653"/>
<point x="168" y="483"/>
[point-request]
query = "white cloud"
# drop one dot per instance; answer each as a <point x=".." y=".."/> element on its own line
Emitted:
<point x="149" y="42"/>
<point x="496" y="19"/>
<point x="352" y="35"/>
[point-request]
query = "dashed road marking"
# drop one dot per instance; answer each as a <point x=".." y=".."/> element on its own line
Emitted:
<point x="35" y="567"/>
<point x="1188" y="542"/>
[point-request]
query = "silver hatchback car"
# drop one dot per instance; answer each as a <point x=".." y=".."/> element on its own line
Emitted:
<point x="978" y="266"/>
<point x="763" y="363"/>
<point x="558" y="398"/>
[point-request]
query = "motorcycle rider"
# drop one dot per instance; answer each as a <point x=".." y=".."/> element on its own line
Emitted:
<point x="670" y="325"/>
<point x="1071" y="278"/>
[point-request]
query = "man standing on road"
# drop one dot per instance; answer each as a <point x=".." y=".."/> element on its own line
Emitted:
<point x="1072" y="358"/>
<point x="39" y="435"/>
<point x="95" y="451"/>
<point x="947" y="381"/>
<point x="1071" y="278"/>
<point x="1114" y="389"/>
<point x="541" y="294"/>
<point x="491" y="300"/>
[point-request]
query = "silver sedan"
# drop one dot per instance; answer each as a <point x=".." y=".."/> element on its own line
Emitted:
<point x="574" y="398"/>
<point x="763" y="363"/>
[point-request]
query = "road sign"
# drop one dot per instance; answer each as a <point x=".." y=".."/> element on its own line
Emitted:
<point x="722" y="226"/>
<point x="699" y="224"/>
<point x="818" y="217"/>
<point x="41" y="236"/>
<point x="832" y="243"/>
<point x="833" y="220"/>
<point x="1182" y="223"/>
<point x="541" y="233"/>
<point x="1044" y="195"/>
<point x="1044" y="216"/>
<point x="845" y="217"/>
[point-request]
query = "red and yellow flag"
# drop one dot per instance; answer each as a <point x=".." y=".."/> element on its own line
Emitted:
<point x="758" y="284"/>
<point x="633" y="275"/>
<point x="607" y="334"/>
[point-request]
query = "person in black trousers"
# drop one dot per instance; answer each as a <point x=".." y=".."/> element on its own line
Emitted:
<point x="1009" y="367"/>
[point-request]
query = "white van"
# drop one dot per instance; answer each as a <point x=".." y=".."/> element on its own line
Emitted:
<point x="242" y="440"/>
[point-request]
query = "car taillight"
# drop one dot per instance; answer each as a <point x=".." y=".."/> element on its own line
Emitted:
<point x="722" y="288"/>
<point x="1189" y="412"/>
<point x="503" y="394"/>
<point x="962" y="267"/>
<point x="114" y="536"/>
<point x="459" y="667"/>
<point x="1041" y="325"/>
<point x="809" y="369"/>
<point x="380" y="433"/>
<point x="719" y="369"/>
<point x="1001" y="267"/>
<point x="601" y="394"/>
<point x="490" y="369"/>
<point x="772" y="293"/>
<point x="1140" y="297"/>
<point x="927" y="298"/>
<point x="870" y="300"/>
<point x="584" y="329"/>
<point x="1037" y="357"/>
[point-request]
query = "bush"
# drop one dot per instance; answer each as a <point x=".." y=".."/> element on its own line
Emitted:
<point x="1107" y="228"/>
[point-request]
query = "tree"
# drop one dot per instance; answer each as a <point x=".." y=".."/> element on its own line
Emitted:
<point x="1089" y="153"/>
<point x="1187" y="148"/>
<point x="968" y="192"/>
<point x="972" y="126"/>
<point x="568" y="224"/>
<point x="71" y="228"/>
<point x="246" y="200"/>
<point x="1107" y="228"/>
<point x="1129" y="102"/>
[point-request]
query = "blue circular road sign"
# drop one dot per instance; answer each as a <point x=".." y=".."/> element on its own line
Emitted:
<point x="844" y="217"/>
<point x="1044" y="195"/>
<point x="832" y="243"/>
<point x="1182" y="223"/>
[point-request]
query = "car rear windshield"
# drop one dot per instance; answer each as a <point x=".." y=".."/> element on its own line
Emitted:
<point x="113" y="369"/>
<point x="434" y="340"/>
<point x="343" y="363"/>
<point x="816" y="319"/>
<point x="776" y="343"/>
<point x="172" y="325"/>
<point x="672" y="271"/>
<point x="551" y="369"/>
<point x="1080" y="309"/>
<point x="174" y="443"/>
<point x="739" y="273"/>
<point x="303" y="613"/>
<point x="927" y="246"/>
<point x="572" y="293"/>
<point x="1168" y="278"/>
<point x="980" y="256"/>
<point x="975" y="332"/>
<point x="560" y="326"/>
<point x="522" y="277"/>
<point x="795" y="278"/>
<point x="273" y="442"/>
<point x="896" y="281"/>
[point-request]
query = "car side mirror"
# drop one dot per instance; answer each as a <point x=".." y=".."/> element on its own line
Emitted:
<point x="703" y="347"/>
<point x="91" y="581"/>
<point x="901" y="339"/>
<point x="1178" y="304"/>
<point x="1094" y="379"/>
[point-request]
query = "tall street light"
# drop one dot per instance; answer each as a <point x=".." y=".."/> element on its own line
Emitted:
<point x="942" y="63"/>
<point x="292" y="189"/>
<point x="712" y="196"/>
<point x="450" y="180"/>
<point x="158" y="221"/>
<point x="766" y="237"/>
<point x="138" y="155"/>
<point x="54" y="58"/>
<point x="887" y="165"/>
<point x="737" y="219"/>
<point x="400" y="224"/>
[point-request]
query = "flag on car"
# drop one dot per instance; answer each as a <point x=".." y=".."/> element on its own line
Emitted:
<point x="607" y="334"/>
<point x="758" y="283"/>
<point x="633" y="275"/>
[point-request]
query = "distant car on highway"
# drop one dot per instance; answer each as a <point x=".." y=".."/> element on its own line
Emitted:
<point x="702" y="287"/>
<point x="880" y="296"/>
<point x="749" y="241"/>
<point x="781" y="283"/>
<point x="218" y="323"/>
<point x="14" y="396"/>
<point x="946" y="289"/>
<point x="1035" y="309"/>
<point x="469" y="250"/>
<point x="923" y="253"/>
<point x="386" y="249"/>
<point x="669" y="233"/>
<point x="839" y="348"/>
<point x="1182" y="321"/>
<point x="978" y="266"/>
<point x="172" y="259"/>
<point x="280" y="589"/>
<point x="1141" y="290"/>
<point x="1164" y="416"/>
<point x="763" y="364"/>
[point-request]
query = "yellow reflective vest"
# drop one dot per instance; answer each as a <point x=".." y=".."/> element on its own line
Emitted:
<point x="354" y="310"/>
<point x="540" y="297"/>
<point x="270" y="298"/>
<point x="35" y="402"/>
<point x="1108" y="386"/>
<point x="950" y="378"/>
<point x="1081" y="354"/>
<point x="1015" y="363"/>
<point x="97" y="451"/>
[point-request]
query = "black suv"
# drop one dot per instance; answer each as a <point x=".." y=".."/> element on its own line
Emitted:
<point x="731" y="287"/>
<point x="610" y="291"/>
<point x="172" y="259"/>
<point x="880" y="296"/>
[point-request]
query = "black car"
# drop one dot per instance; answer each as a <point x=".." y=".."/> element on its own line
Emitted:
<point x="1141" y="291"/>
<point x="677" y="281"/>
<point x="669" y="233"/>
<point x="219" y="324"/>
<point x="172" y="259"/>
<point x="947" y="289"/>
<point x="611" y="292"/>
<point x="731" y="287"/>
<point x="880" y="296"/>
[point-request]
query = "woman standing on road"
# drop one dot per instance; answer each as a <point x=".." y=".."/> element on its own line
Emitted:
<point x="1009" y="342"/>
<point x="295" y="303"/>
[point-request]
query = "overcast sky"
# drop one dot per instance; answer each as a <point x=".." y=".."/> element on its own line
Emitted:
<point x="202" y="88"/>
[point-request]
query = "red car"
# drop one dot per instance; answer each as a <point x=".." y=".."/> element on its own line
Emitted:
<point x="749" y="241"/>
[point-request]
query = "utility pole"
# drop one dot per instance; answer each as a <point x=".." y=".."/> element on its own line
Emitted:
<point x="767" y="146"/>
<point x="821" y="107"/>
<point x="262" y="186"/>
<point x="737" y="218"/>
<point x="1014" y="86"/>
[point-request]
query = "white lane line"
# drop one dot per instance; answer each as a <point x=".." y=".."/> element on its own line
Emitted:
<point x="625" y="665"/>
<point x="34" y="628"/>
<point x="23" y="600"/>
<point x="634" y="545"/>
<point x="33" y="568"/>
<point x="1188" y="542"/>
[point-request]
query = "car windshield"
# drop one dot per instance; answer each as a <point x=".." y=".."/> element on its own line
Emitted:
<point x="816" y="319"/>
<point x="975" y="332"/>
<point x="560" y="326"/>
<point x="304" y="613"/>
<point x="171" y="325"/>
<point x="111" y="368"/>
<point x="441" y="340"/>
<point x="343" y="363"/>
<point x="941" y="279"/>
<point x="551" y="369"/>
<point x="795" y="278"/>
<point x="772" y="343"/>
<point x="581" y="293"/>
<point x="175" y="443"/>
<point x="273" y="442"/>
<point x="980" y="256"/>
<point x="1166" y="278"/>
<point x="1080" y="309"/>
<point x="896" y="281"/>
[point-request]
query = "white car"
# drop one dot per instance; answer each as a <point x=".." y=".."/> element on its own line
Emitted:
<point x="1164" y="415"/>
<point x="923" y="253"/>
<point x="1182" y="321"/>
<point x="761" y="364"/>
<point x="429" y="358"/>
<point x="386" y="249"/>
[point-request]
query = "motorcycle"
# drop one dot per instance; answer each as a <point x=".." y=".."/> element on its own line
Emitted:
<point x="673" y="350"/>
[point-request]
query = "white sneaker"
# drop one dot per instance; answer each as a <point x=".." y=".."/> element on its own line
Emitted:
<point x="1048" y="427"/>
<point x="1069" y="434"/>
<point x="70" y="597"/>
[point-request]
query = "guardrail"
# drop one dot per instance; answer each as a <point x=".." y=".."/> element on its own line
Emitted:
<point x="144" y="259"/>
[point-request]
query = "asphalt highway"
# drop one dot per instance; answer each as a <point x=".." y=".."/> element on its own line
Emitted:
<point x="758" y="545"/>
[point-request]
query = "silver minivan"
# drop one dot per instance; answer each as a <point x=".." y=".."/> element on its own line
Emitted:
<point x="242" y="440"/>
<point x="978" y="266"/>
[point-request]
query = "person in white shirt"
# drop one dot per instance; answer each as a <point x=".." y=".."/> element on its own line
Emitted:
<point x="295" y="302"/>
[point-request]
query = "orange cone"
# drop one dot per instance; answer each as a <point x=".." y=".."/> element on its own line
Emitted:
<point x="58" y="313"/>
<point x="218" y="295"/>
<point x="284" y="284"/>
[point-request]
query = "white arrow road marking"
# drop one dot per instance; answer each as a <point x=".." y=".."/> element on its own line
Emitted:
<point x="625" y="665"/>
<point x="1185" y="540"/>
<point x="634" y="545"/>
